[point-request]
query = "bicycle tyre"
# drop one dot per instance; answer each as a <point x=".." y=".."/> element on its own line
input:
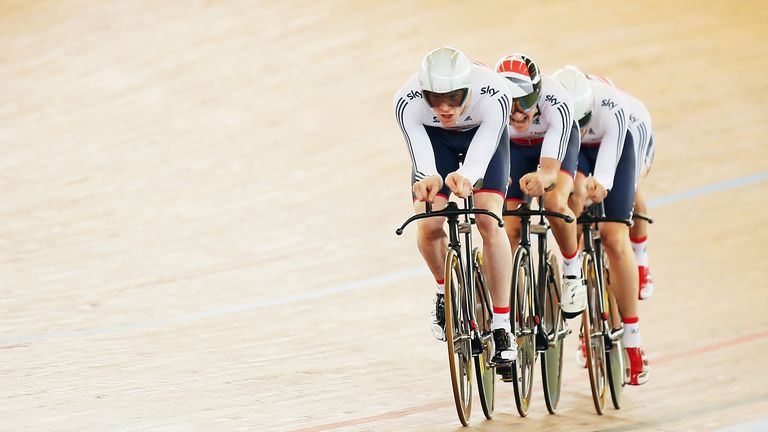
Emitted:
<point x="485" y="372"/>
<point x="592" y="321"/>
<point x="523" y="321"/>
<point x="614" y="355"/>
<point x="554" y="322"/>
<point x="457" y="337"/>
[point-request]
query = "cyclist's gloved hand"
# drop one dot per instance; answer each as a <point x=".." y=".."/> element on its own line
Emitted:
<point x="427" y="189"/>
<point x="459" y="185"/>
<point x="595" y="191"/>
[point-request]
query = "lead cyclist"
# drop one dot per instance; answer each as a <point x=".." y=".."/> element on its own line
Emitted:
<point x="454" y="107"/>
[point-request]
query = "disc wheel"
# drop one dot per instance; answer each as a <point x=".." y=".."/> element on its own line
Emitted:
<point x="486" y="373"/>
<point x="552" y="358"/>
<point x="594" y="336"/>
<point x="523" y="319"/>
<point x="458" y="337"/>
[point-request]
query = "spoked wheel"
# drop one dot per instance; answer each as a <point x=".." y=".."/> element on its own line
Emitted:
<point x="593" y="325"/>
<point x="522" y="295"/>
<point x="486" y="374"/>
<point x="458" y="337"/>
<point x="615" y="355"/>
<point x="552" y="358"/>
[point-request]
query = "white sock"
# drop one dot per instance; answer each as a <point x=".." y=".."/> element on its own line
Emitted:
<point x="572" y="266"/>
<point x="440" y="288"/>
<point x="501" y="321"/>
<point x="640" y="247"/>
<point x="631" y="336"/>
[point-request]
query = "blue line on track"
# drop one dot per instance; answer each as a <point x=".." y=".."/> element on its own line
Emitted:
<point x="351" y="286"/>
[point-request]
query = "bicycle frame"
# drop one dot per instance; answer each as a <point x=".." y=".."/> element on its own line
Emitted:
<point x="540" y="229"/>
<point x="593" y="245"/>
<point x="452" y="213"/>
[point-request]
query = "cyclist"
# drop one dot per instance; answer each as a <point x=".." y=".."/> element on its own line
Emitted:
<point x="641" y="127"/>
<point x="607" y="172"/>
<point x="544" y="150"/>
<point x="453" y="107"/>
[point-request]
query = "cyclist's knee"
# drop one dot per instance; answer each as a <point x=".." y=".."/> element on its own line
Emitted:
<point x="556" y="203"/>
<point x="616" y="242"/>
<point x="431" y="228"/>
<point x="487" y="226"/>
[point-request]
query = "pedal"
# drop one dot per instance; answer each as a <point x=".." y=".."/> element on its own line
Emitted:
<point x="477" y="346"/>
<point x="608" y="342"/>
<point x="542" y="343"/>
<point x="616" y="334"/>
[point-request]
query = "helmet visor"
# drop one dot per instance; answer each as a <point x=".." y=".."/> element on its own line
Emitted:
<point x="455" y="98"/>
<point x="584" y="121"/>
<point x="528" y="101"/>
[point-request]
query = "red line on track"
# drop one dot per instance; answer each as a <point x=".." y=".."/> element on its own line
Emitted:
<point x="437" y="405"/>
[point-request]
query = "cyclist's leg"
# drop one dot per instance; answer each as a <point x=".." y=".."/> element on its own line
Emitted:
<point x="638" y="233"/>
<point x="618" y="205"/>
<point x="585" y="165"/>
<point x="496" y="250"/>
<point x="624" y="276"/>
<point x="523" y="159"/>
<point x="431" y="238"/>
<point x="557" y="201"/>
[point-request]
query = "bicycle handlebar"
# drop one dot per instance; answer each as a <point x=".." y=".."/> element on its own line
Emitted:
<point x="450" y="210"/>
<point x="524" y="210"/>
<point x="596" y="214"/>
<point x="642" y="217"/>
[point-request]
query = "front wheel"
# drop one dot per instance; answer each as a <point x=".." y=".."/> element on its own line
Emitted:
<point x="458" y="337"/>
<point x="524" y="327"/>
<point x="592" y="321"/>
<point x="486" y="373"/>
<point x="554" y="323"/>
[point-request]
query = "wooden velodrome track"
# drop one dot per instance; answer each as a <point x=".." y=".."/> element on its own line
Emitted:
<point x="199" y="202"/>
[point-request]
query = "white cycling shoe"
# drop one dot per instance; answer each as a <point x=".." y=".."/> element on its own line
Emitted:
<point x="574" y="297"/>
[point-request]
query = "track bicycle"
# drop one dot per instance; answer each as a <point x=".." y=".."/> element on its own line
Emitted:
<point x="539" y="325"/>
<point x="601" y="322"/>
<point x="468" y="309"/>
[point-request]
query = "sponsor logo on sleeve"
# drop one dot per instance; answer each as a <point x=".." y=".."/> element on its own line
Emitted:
<point x="609" y="104"/>
<point x="435" y="120"/>
<point x="488" y="90"/>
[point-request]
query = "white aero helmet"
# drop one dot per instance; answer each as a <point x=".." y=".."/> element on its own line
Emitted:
<point x="444" y="70"/>
<point x="577" y="85"/>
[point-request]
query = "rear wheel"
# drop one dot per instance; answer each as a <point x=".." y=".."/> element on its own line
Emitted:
<point x="552" y="358"/>
<point x="593" y="333"/>
<point x="522" y="295"/>
<point x="457" y="336"/>
<point x="486" y="374"/>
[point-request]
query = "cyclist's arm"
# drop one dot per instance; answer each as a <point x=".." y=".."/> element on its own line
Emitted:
<point x="495" y="113"/>
<point x="407" y="114"/>
<point x="611" y="146"/>
<point x="558" y="110"/>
